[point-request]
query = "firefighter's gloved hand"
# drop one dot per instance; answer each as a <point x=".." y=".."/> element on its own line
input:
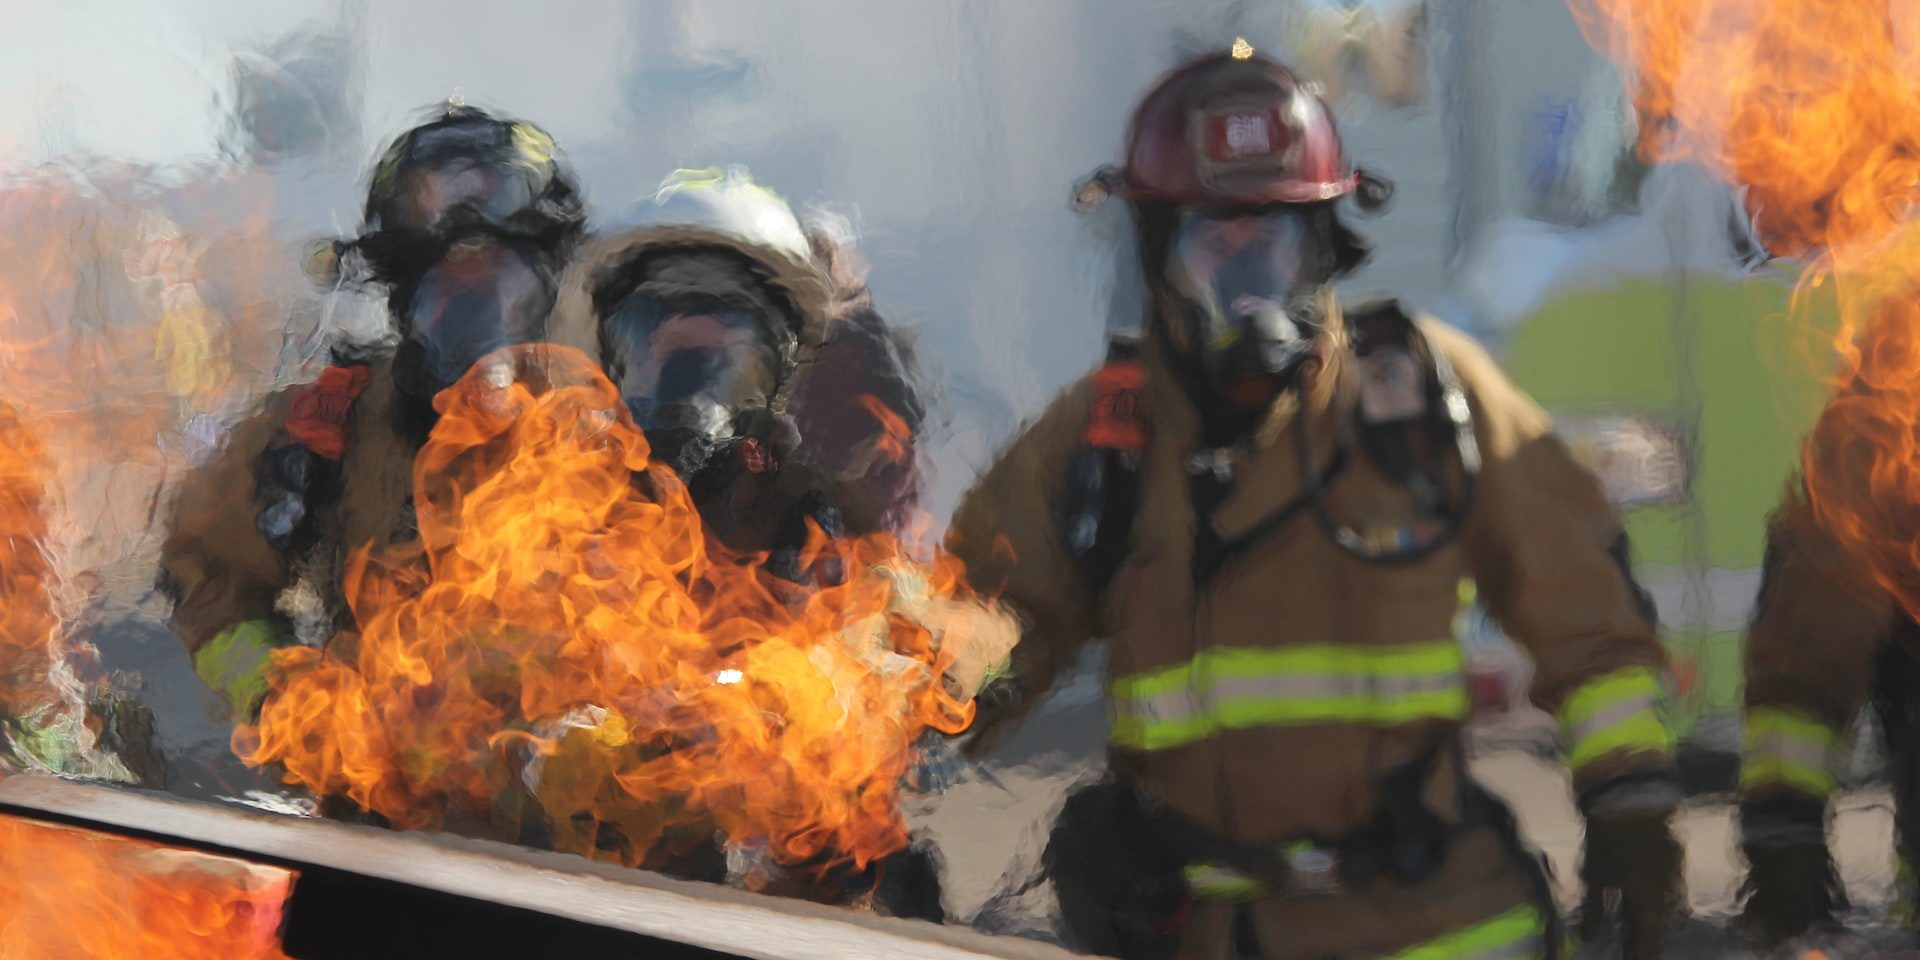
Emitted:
<point x="1792" y="889"/>
<point x="1632" y="862"/>
<point x="974" y="638"/>
<point x="938" y="765"/>
<point x="284" y="479"/>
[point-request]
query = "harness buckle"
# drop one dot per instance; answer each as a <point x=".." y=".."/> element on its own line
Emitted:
<point x="1313" y="872"/>
<point x="1217" y="462"/>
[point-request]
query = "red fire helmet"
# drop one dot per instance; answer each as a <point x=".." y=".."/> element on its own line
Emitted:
<point x="1234" y="128"/>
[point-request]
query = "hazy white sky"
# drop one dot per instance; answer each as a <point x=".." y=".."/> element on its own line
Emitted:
<point x="952" y="128"/>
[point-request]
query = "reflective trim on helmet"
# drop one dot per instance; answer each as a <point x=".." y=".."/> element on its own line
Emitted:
<point x="533" y="144"/>
<point x="1620" y="712"/>
<point x="1297" y="686"/>
<point x="1786" y="748"/>
<point x="1519" y="933"/>
<point x="1290" y="192"/>
<point x="727" y="200"/>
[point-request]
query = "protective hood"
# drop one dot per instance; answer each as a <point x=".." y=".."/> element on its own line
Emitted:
<point x="680" y="343"/>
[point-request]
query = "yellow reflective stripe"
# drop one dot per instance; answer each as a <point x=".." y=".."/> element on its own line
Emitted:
<point x="1520" y="932"/>
<point x="535" y="146"/>
<point x="1769" y="723"/>
<point x="1440" y="656"/>
<point x="713" y="178"/>
<point x="1756" y="774"/>
<point x="1209" y="882"/>
<point x="695" y="178"/>
<point x="1786" y="748"/>
<point x="1137" y="734"/>
<point x="1239" y="688"/>
<point x="1618" y="712"/>
<point x="1642" y="733"/>
<point x="1596" y="697"/>
<point x="1143" y="685"/>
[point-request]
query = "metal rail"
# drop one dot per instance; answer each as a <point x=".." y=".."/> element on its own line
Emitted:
<point x="705" y="916"/>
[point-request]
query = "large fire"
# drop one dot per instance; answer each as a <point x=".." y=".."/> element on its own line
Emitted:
<point x="1813" y="106"/>
<point x="72" y="894"/>
<point x="29" y="630"/>
<point x="110" y="345"/>
<point x="571" y="633"/>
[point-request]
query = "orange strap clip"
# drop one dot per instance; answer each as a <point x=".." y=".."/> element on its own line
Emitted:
<point x="1119" y="407"/>
<point x="318" y="419"/>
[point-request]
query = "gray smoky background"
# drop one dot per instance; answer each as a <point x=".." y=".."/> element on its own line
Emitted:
<point x="166" y="165"/>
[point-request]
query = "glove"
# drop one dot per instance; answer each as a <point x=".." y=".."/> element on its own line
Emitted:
<point x="1632" y="861"/>
<point x="235" y="662"/>
<point x="129" y="731"/>
<point x="1792" y="888"/>
<point x="284" y="478"/>
<point x="977" y="636"/>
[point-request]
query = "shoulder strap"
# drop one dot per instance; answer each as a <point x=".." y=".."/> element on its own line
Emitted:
<point x="1102" y="492"/>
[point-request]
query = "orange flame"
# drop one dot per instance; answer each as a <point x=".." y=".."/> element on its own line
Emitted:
<point x="573" y="630"/>
<point x="72" y="894"/>
<point x="896" y="438"/>
<point x="1813" y="106"/>
<point x="108" y="344"/>
<point x="29" y="634"/>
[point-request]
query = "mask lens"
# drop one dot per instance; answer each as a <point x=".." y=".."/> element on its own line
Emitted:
<point x="672" y="362"/>
<point x="472" y="303"/>
<point x="1236" y="267"/>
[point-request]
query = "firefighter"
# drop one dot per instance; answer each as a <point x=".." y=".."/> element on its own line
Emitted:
<point x="1264" y="505"/>
<point x="746" y="346"/>
<point x="469" y="221"/>
<point x="1826" y="639"/>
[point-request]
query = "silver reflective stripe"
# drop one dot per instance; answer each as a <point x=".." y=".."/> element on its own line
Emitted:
<point x="1613" y="716"/>
<point x="1783" y="745"/>
<point x="1329" y="686"/>
<point x="1173" y="705"/>
<point x="1185" y="704"/>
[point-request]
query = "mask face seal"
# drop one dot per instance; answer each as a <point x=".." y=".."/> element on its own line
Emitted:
<point x="688" y="369"/>
<point x="1252" y="281"/>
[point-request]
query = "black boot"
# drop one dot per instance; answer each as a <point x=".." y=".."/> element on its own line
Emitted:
<point x="1792" y="888"/>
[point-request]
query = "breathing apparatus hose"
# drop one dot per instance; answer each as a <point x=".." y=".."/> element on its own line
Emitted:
<point x="1459" y="418"/>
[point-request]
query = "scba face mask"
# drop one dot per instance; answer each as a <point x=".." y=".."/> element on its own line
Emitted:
<point x="1253" y="283"/>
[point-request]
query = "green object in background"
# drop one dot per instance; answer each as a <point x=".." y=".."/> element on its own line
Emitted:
<point x="1720" y="362"/>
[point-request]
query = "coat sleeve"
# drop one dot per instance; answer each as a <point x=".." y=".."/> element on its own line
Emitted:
<point x="1006" y="534"/>
<point x="1548" y="553"/>
<point x="1820" y="623"/>
<point x="218" y="568"/>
